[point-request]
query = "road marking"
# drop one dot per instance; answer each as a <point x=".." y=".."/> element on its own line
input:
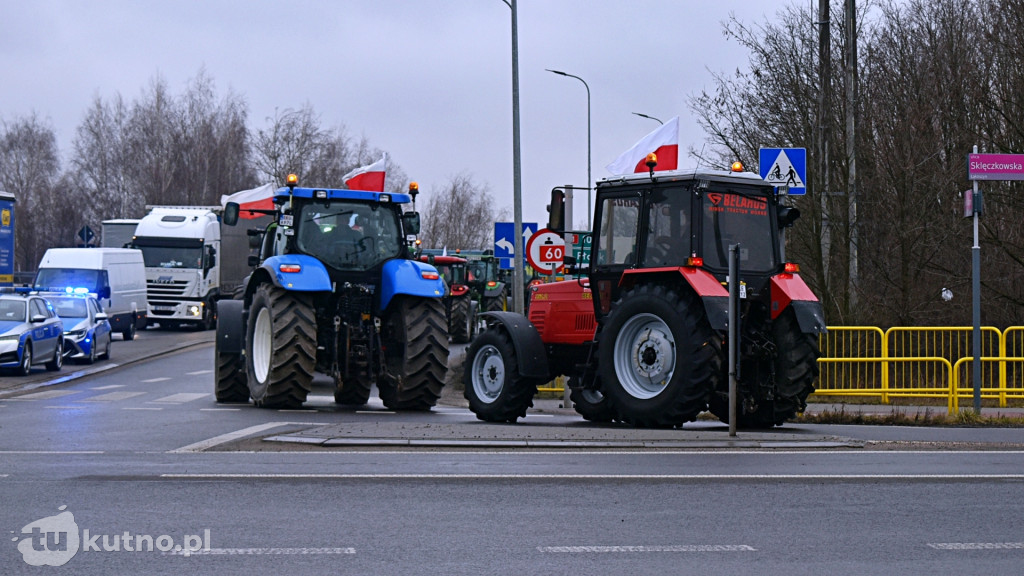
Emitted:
<point x="33" y="452"/>
<point x="182" y="397"/>
<point x="681" y="548"/>
<point x="58" y="407"/>
<point x="595" y="476"/>
<point x="375" y="412"/>
<point x="45" y="395"/>
<point x="112" y="397"/>
<point x="108" y="387"/>
<point x="199" y="372"/>
<point x="977" y="545"/>
<point x="237" y="434"/>
<point x="151" y="380"/>
<point x="220" y="409"/>
<point x="140" y="408"/>
<point x="259" y="551"/>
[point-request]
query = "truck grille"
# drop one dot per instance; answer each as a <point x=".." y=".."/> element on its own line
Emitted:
<point x="166" y="289"/>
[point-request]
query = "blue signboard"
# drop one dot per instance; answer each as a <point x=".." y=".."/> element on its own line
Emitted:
<point x="785" y="167"/>
<point x="505" y="237"/>
<point x="6" y="239"/>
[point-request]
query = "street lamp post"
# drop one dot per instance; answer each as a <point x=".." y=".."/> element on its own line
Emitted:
<point x="589" y="184"/>
<point x="519" y="283"/>
<point x="649" y="117"/>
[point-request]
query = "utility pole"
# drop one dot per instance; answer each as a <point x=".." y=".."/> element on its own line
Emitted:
<point x="851" y="146"/>
<point x="824" y="103"/>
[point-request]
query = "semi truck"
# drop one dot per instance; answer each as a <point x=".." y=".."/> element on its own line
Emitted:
<point x="180" y="245"/>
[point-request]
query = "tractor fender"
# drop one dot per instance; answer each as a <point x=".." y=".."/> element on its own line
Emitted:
<point x="297" y="272"/>
<point x="712" y="294"/>
<point x="530" y="352"/>
<point x="409" y="277"/>
<point x="230" y="326"/>
<point x="790" y="291"/>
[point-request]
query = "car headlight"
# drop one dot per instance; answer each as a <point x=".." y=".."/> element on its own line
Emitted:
<point x="75" y="333"/>
<point x="10" y="337"/>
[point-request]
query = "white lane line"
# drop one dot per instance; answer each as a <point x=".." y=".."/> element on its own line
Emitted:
<point x="976" y="545"/>
<point x="237" y="434"/>
<point x="375" y="412"/>
<point x="220" y="409"/>
<point x="34" y="452"/>
<point x="182" y="397"/>
<point x="112" y="397"/>
<point x="141" y="408"/>
<point x="260" y="551"/>
<point x="44" y="395"/>
<point x="108" y="387"/>
<point x="151" y="380"/>
<point x="58" y="407"/>
<point x="680" y="548"/>
<point x="198" y="372"/>
<point x="601" y="476"/>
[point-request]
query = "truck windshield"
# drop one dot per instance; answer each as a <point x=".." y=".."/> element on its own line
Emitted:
<point x="349" y="235"/>
<point x="171" y="256"/>
<point x="734" y="218"/>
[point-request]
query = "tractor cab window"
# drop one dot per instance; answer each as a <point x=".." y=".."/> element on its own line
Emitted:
<point x="729" y="218"/>
<point x="348" y="235"/>
<point x="668" y="228"/>
<point x="616" y="243"/>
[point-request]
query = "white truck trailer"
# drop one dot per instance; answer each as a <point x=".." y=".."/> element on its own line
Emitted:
<point x="180" y="245"/>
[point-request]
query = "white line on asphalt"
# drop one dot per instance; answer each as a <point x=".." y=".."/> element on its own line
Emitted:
<point x="259" y="551"/>
<point x="237" y="434"/>
<point x="977" y="545"/>
<point x="112" y="397"/>
<point x="45" y="395"/>
<point x="66" y="407"/>
<point x="151" y="380"/>
<point x="679" y="548"/>
<point x="220" y="409"/>
<point x="198" y="372"/>
<point x="375" y="412"/>
<point x="51" y="452"/>
<point x="182" y="397"/>
<point x="108" y="387"/>
<point x="141" y="408"/>
<point x="602" y="476"/>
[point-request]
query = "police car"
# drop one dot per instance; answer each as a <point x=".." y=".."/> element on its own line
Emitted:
<point x="31" y="333"/>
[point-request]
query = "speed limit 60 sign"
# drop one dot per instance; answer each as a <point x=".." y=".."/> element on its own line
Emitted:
<point x="545" y="251"/>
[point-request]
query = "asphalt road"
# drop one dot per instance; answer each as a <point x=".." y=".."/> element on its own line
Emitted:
<point x="141" y="452"/>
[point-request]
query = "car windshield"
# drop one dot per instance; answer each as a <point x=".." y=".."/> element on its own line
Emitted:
<point x="737" y="219"/>
<point x="70" y="307"/>
<point x="349" y="235"/>
<point x="12" y="311"/>
<point x="171" y="256"/>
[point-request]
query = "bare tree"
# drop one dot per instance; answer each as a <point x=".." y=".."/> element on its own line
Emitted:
<point x="460" y="214"/>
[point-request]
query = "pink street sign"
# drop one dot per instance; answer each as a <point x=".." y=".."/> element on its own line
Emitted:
<point x="995" y="166"/>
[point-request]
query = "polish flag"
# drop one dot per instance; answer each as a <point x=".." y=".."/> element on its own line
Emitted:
<point x="261" y="198"/>
<point x="664" y="142"/>
<point x="369" y="178"/>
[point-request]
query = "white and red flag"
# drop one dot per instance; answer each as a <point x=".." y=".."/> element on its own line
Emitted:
<point x="261" y="198"/>
<point x="369" y="178"/>
<point x="664" y="142"/>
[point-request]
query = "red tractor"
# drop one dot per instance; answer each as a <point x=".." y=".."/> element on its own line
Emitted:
<point x="458" y="301"/>
<point x="643" y="336"/>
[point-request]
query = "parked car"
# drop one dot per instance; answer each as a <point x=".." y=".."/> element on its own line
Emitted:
<point x="30" y="333"/>
<point x="87" y="332"/>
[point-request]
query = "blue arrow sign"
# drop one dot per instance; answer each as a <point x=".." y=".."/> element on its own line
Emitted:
<point x="785" y="167"/>
<point x="505" y="239"/>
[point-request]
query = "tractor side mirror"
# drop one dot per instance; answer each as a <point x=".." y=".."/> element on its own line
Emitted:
<point x="556" y="211"/>
<point x="411" y="222"/>
<point x="787" y="216"/>
<point x="231" y="214"/>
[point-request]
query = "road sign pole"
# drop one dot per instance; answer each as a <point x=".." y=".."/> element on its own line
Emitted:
<point x="976" y="301"/>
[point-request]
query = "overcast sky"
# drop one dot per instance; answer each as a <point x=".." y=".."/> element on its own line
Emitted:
<point x="428" y="81"/>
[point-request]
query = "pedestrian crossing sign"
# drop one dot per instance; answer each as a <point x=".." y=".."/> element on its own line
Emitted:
<point x="785" y="167"/>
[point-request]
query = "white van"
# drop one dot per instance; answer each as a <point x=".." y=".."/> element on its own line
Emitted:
<point x="117" y="276"/>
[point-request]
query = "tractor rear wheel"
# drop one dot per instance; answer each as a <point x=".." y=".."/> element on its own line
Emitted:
<point x="659" y="359"/>
<point x="495" y="304"/>
<point x="415" y="337"/>
<point x="280" y="347"/>
<point x="494" y="388"/>
<point x="462" y="321"/>
<point x="354" y="390"/>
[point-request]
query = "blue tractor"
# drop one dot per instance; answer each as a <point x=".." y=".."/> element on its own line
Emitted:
<point x="333" y="290"/>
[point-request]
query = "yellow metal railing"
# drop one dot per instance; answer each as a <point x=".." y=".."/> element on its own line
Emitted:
<point x="920" y="363"/>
